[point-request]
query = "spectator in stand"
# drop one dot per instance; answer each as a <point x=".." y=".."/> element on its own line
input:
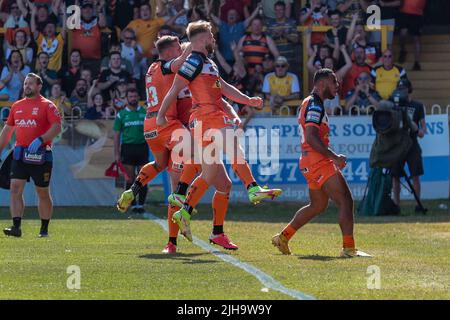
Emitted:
<point x="268" y="63"/>
<point x="283" y="31"/>
<point x="60" y="100"/>
<point x="147" y="28"/>
<point x="122" y="12"/>
<point x="49" y="77"/>
<point x="231" y="31"/>
<point x="68" y="75"/>
<point x="269" y="9"/>
<point x="358" y="66"/>
<point x="339" y="31"/>
<point x="45" y="14"/>
<point x="79" y="96"/>
<point x="387" y="75"/>
<point x="13" y="75"/>
<point x="86" y="74"/>
<point x="349" y="8"/>
<point x="315" y="14"/>
<point x="109" y="77"/>
<point x="362" y="96"/>
<point x="175" y="8"/>
<point x="242" y="7"/>
<point x="132" y="52"/>
<point x="119" y="95"/>
<point x="96" y="104"/>
<point x="48" y="41"/>
<point x="389" y="12"/>
<point x="281" y="87"/>
<point x="125" y="64"/>
<point x="254" y="46"/>
<point x="21" y="42"/>
<point x="410" y="20"/>
<point x="4" y="93"/>
<point x="14" y="20"/>
<point x="88" y="39"/>
<point x="357" y="37"/>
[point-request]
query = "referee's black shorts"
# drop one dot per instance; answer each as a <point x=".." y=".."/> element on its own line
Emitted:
<point x="414" y="161"/>
<point x="40" y="173"/>
<point x="134" y="154"/>
<point x="412" y="22"/>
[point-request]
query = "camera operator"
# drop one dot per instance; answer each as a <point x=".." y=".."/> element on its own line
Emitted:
<point x="413" y="158"/>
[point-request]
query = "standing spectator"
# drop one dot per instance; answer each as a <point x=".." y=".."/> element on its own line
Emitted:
<point x="96" y="104"/>
<point x="269" y="9"/>
<point x="256" y="45"/>
<point x="240" y="6"/>
<point x="362" y="96"/>
<point x="21" y="42"/>
<point x="79" y="97"/>
<point x="357" y="37"/>
<point x="175" y="8"/>
<point x="410" y="20"/>
<point x="49" y="77"/>
<point x="131" y="51"/>
<point x="60" y="100"/>
<point x="14" y="20"/>
<point x="68" y="75"/>
<point x="4" y="94"/>
<point x="387" y="75"/>
<point x="414" y="157"/>
<point x="109" y="77"/>
<point x="130" y="146"/>
<point x="389" y="12"/>
<point x="122" y="12"/>
<point x="315" y="14"/>
<point x="48" y="41"/>
<point x="283" y="31"/>
<point x="340" y="30"/>
<point x="281" y="86"/>
<point x="349" y="8"/>
<point x="88" y="39"/>
<point x="147" y="28"/>
<point x="230" y="31"/>
<point x="13" y="74"/>
<point x="43" y="14"/>
<point x="358" y="66"/>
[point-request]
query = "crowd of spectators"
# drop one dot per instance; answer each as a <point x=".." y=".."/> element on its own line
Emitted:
<point x="259" y="49"/>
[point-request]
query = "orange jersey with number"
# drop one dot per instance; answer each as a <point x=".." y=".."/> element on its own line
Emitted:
<point x="312" y="113"/>
<point x="158" y="80"/>
<point x="202" y="77"/>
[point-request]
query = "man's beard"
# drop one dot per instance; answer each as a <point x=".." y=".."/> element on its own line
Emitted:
<point x="29" y="93"/>
<point x="81" y="94"/>
<point x="329" y="94"/>
<point x="133" y="104"/>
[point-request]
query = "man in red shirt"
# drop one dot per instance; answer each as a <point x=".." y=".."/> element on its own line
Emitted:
<point x="36" y="122"/>
<point x="358" y="66"/>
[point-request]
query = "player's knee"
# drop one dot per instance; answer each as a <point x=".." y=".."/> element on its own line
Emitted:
<point x="224" y="186"/>
<point x="43" y="193"/>
<point x="16" y="190"/>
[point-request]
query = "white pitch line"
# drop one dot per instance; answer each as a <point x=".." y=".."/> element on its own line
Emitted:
<point x="264" y="278"/>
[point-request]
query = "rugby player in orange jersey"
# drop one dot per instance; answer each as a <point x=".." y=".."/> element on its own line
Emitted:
<point x="321" y="168"/>
<point x="207" y="87"/>
<point x="36" y="122"/>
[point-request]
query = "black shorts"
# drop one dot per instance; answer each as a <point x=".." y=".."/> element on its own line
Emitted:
<point x="134" y="154"/>
<point x="40" y="173"/>
<point x="412" y="22"/>
<point x="414" y="161"/>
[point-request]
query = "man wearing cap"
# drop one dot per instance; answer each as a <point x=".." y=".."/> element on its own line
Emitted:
<point x="416" y="112"/>
<point x="281" y="86"/>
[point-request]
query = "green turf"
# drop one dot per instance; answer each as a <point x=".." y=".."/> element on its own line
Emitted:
<point x="120" y="258"/>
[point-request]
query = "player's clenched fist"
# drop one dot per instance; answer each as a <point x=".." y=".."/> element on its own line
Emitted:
<point x="340" y="161"/>
<point x="255" y="102"/>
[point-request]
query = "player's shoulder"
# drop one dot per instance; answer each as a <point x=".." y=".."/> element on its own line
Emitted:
<point x="193" y="65"/>
<point x="314" y="103"/>
<point x="19" y="103"/>
<point x="196" y="59"/>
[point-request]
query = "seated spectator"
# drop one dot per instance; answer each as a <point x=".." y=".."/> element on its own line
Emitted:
<point x="49" y="77"/>
<point x="96" y="105"/>
<point x="4" y="93"/>
<point x="88" y="39"/>
<point x="48" y="41"/>
<point x="269" y="9"/>
<point x="132" y="52"/>
<point x="357" y="37"/>
<point x="358" y="66"/>
<point x="254" y="46"/>
<point x="283" y="31"/>
<point x="268" y="63"/>
<point x="315" y="14"/>
<point x="109" y="77"/>
<point x="125" y="64"/>
<point x="119" y="95"/>
<point x="13" y="75"/>
<point x="387" y="75"/>
<point x="14" y="20"/>
<point x="68" y="75"/>
<point x="21" y="42"/>
<point x="79" y="96"/>
<point x="362" y="96"/>
<point x="60" y="100"/>
<point x="230" y="31"/>
<point x="281" y="87"/>
<point x="350" y="8"/>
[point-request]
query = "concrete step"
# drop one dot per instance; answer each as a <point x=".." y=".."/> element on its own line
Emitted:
<point x="429" y="75"/>
<point x="425" y="47"/>
<point x="438" y="38"/>
<point x="433" y="85"/>
<point x="431" y="93"/>
<point x="430" y="102"/>
<point x="443" y="57"/>
<point x="428" y="66"/>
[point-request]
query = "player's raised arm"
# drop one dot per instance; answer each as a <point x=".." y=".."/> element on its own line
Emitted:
<point x="178" y="62"/>
<point x="169" y="100"/>
<point x="234" y="94"/>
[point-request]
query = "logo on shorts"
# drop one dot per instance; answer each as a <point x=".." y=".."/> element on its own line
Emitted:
<point x="46" y="177"/>
<point x="150" y="135"/>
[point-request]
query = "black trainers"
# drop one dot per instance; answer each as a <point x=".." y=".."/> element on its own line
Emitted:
<point x="421" y="209"/>
<point x="43" y="234"/>
<point x="402" y="56"/>
<point x="417" y="66"/>
<point x="13" y="232"/>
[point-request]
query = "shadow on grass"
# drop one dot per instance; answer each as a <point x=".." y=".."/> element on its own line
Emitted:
<point x="316" y="257"/>
<point x="187" y="258"/>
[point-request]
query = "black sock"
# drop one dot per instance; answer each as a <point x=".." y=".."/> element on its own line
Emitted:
<point x="17" y="221"/>
<point x="217" y="229"/>
<point x="253" y="184"/>
<point x="135" y="187"/>
<point x="188" y="209"/>
<point x="44" y="225"/>
<point x="182" y="188"/>
<point x="143" y="195"/>
<point x="173" y="240"/>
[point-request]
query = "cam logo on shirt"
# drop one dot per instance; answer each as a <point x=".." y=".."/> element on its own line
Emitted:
<point x="26" y="123"/>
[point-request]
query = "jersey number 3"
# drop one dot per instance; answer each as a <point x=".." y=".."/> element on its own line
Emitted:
<point x="152" y="96"/>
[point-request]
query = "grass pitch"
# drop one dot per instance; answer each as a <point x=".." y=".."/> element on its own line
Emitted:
<point x="121" y="258"/>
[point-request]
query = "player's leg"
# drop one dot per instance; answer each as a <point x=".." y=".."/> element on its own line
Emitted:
<point x="396" y="190"/>
<point x="171" y="246"/>
<point x="220" y="207"/>
<point x="45" y="208"/>
<point x="318" y="204"/>
<point x="17" y="206"/>
<point x="140" y="161"/>
<point x="131" y="176"/>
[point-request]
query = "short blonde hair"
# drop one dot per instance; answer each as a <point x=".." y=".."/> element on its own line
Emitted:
<point x="197" y="27"/>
